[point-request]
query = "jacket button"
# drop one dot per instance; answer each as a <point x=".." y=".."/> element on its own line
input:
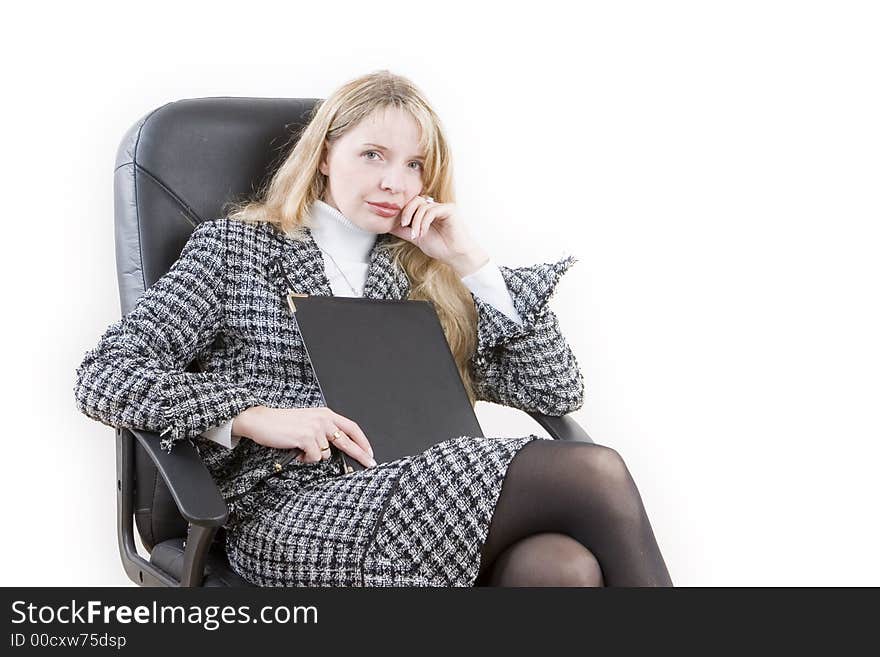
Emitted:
<point x="277" y="466"/>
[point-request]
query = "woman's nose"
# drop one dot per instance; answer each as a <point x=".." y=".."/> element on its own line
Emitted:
<point x="392" y="182"/>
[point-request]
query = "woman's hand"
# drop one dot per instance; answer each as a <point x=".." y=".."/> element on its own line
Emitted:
<point x="439" y="232"/>
<point x="309" y="429"/>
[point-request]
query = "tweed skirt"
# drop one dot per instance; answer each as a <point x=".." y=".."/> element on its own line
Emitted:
<point x="417" y="521"/>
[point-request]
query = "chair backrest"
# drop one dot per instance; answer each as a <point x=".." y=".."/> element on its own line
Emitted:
<point x="176" y="167"/>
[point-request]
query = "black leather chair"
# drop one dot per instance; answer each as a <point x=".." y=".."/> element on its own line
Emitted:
<point x="178" y="165"/>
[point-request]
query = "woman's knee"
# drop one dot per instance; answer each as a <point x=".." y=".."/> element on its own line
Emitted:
<point x="605" y="465"/>
<point x="576" y="564"/>
<point x="607" y="481"/>
<point x="547" y="559"/>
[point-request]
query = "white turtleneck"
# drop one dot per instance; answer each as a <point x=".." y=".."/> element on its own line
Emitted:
<point x="344" y="242"/>
<point x="350" y="247"/>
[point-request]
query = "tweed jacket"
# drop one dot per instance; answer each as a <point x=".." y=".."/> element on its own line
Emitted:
<point x="222" y="304"/>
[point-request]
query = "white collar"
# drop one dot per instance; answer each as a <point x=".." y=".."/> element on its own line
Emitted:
<point x="337" y="234"/>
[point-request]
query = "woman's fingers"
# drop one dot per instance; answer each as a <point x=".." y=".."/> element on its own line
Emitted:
<point x="351" y="428"/>
<point x="426" y="226"/>
<point x="351" y="440"/>
<point x="311" y="452"/>
<point x="318" y="450"/>
<point x="416" y="224"/>
<point x="419" y="219"/>
<point x="353" y="449"/>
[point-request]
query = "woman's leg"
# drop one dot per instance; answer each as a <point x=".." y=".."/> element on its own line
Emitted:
<point x="582" y="490"/>
<point x="545" y="559"/>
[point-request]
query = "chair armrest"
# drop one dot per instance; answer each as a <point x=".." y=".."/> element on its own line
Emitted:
<point x="563" y="427"/>
<point x="191" y="485"/>
<point x="195" y="494"/>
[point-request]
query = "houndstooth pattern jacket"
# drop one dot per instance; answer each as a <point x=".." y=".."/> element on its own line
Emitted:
<point x="223" y="303"/>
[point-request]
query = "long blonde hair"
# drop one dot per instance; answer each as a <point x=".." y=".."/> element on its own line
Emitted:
<point x="298" y="182"/>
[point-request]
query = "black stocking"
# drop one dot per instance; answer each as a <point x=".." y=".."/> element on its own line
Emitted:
<point x="545" y="559"/>
<point x="554" y="491"/>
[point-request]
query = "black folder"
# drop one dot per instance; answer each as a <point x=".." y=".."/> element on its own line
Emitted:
<point x="386" y="365"/>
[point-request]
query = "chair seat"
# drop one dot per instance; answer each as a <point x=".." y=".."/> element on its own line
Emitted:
<point x="168" y="556"/>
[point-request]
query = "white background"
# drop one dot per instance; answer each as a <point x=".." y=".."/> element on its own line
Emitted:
<point x="713" y="165"/>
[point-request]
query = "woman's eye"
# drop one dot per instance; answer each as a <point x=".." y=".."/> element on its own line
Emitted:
<point x="376" y="153"/>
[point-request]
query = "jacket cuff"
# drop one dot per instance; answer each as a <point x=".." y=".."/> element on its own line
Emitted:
<point x="222" y="435"/>
<point x="530" y="287"/>
<point x="488" y="284"/>
<point x="195" y="402"/>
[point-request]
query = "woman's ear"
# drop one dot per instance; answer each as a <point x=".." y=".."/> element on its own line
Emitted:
<point x="323" y="166"/>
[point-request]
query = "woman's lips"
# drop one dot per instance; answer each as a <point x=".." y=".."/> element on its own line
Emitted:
<point x="382" y="212"/>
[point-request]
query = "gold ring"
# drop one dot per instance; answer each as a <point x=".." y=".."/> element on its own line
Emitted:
<point x="325" y="449"/>
<point x="336" y="435"/>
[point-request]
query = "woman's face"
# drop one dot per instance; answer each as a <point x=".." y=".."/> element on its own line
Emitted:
<point x="377" y="161"/>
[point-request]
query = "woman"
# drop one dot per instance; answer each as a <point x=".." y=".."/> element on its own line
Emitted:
<point x="351" y="211"/>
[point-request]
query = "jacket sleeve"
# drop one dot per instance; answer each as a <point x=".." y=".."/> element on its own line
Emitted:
<point x="135" y="376"/>
<point x="488" y="284"/>
<point x="527" y="365"/>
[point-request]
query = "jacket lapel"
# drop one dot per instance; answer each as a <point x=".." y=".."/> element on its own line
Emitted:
<point x="301" y="267"/>
<point x="384" y="280"/>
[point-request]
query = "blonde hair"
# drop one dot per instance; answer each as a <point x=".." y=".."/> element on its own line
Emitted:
<point x="298" y="182"/>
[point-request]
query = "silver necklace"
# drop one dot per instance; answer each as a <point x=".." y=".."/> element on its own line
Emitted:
<point x="354" y="291"/>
